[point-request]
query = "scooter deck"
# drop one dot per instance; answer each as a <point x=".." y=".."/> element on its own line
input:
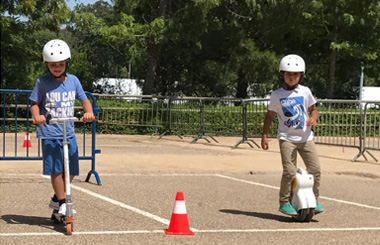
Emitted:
<point x="58" y="219"/>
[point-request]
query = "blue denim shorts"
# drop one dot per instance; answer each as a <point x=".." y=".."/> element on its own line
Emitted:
<point x="52" y="152"/>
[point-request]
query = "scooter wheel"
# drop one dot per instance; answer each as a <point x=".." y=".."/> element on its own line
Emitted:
<point x="69" y="228"/>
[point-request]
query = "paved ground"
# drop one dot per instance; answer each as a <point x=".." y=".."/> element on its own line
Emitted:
<point x="231" y="196"/>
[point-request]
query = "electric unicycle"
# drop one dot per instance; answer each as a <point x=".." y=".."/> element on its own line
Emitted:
<point x="302" y="197"/>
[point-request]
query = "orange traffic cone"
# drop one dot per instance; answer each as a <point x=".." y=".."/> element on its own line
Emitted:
<point x="27" y="142"/>
<point x="179" y="223"/>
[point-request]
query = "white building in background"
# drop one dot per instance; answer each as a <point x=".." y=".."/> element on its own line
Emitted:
<point x="370" y="94"/>
<point x="121" y="86"/>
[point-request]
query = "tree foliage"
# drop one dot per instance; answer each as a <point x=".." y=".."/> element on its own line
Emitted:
<point x="197" y="47"/>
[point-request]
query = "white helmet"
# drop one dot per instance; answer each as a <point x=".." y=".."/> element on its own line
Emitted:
<point x="292" y="63"/>
<point x="56" y="50"/>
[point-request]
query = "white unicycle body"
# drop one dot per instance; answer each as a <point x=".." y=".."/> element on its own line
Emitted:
<point x="303" y="198"/>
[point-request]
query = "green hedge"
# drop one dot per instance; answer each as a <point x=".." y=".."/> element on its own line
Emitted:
<point x="147" y="117"/>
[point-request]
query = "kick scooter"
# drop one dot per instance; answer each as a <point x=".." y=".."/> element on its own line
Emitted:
<point x="303" y="198"/>
<point x="67" y="219"/>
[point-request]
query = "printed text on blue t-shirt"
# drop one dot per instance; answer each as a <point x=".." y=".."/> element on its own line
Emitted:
<point x="60" y="104"/>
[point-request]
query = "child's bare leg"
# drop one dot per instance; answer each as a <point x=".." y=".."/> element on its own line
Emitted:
<point x="58" y="184"/>
<point x="71" y="180"/>
<point x="64" y="186"/>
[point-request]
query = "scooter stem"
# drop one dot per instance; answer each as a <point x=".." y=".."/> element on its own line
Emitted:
<point x="65" y="144"/>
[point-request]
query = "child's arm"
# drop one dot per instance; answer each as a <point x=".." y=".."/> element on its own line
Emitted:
<point x="88" y="111"/>
<point x="35" y="111"/>
<point x="312" y="121"/>
<point x="267" y="122"/>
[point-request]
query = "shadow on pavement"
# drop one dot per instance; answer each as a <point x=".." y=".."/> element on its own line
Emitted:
<point x="259" y="215"/>
<point x="33" y="221"/>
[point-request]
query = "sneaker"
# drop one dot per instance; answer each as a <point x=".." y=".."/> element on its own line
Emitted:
<point x="288" y="209"/>
<point x="54" y="205"/>
<point x="62" y="210"/>
<point x="319" y="208"/>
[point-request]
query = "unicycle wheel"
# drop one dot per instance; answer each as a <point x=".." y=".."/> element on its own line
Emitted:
<point x="304" y="215"/>
<point x="69" y="228"/>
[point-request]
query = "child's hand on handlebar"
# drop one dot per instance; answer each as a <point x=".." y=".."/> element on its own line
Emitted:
<point x="88" y="117"/>
<point x="40" y="119"/>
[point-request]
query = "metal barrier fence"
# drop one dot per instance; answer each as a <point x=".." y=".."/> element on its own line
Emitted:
<point x="340" y="123"/>
<point x="346" y="123"/>
<point x="16" y="118"/>
<point x="183" y="116"/>
<point x="370" y="132"/>
<point x="132" y="111"/>
<point x="253" y="114"/>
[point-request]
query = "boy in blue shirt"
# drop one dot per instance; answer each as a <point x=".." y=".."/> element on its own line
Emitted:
<point x="293" y="103"/>
<point x="54" y="94"/>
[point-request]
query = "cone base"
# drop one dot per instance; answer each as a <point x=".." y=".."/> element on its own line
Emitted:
<point x="27" y="145"/>
<point x="167" y="232"/>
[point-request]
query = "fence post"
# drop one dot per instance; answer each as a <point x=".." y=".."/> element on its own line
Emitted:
<point x="245" y="128"/>
<point x="201" y="134"/>
<point x="93" y="150"/>
<point x="169" y="129"/>
<point x="363" y="132"/>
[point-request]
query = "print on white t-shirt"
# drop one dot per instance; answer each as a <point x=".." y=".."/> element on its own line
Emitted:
<point x="293" y="111"/>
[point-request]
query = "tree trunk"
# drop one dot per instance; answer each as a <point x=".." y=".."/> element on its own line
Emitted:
<point x="150" y="76"/>
<point x="154" y="54"/>
<point x="331" y="79"/>
<point x="242" y="86"/>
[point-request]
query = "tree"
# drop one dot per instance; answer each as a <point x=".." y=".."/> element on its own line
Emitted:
<point x="350" y="29"/>
<point x="197" y="47"/>
<point x="25" y="28"/>
<point x="152" y="20"/>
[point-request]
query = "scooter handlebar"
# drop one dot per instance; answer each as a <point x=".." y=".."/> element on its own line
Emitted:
<point x="65" y="119"/>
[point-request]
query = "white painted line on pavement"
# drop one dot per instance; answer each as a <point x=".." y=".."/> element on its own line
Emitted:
<point x="275" y="187"/>
<point x="198" y="231"/>
<point x="123" y="205"/>
<point x="221" y="176"/>
<point x="158" y="175"/>
<point x="23" y="175"/>
<point x="74" y="233"/>
<point x="247" y="181"/>
<point x="291" y="230"/>
<point x="350" y="203"/>
<point x="111" y="174"/>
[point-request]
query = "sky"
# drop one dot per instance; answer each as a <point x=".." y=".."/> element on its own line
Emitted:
<point x="72" y="3"/>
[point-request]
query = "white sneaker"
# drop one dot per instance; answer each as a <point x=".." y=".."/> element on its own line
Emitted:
<point x="62" y="210"/>
<point x="54" y="205"/>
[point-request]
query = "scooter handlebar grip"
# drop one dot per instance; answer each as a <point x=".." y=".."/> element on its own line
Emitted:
<point x="35" y="122"/>
<point x="92" y="119"/>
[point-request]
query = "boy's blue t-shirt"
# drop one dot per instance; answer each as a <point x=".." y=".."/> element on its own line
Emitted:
<point x="57" y="99"/>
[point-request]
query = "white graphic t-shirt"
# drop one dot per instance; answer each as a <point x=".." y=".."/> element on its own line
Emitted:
<point x="291" y="107"/>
